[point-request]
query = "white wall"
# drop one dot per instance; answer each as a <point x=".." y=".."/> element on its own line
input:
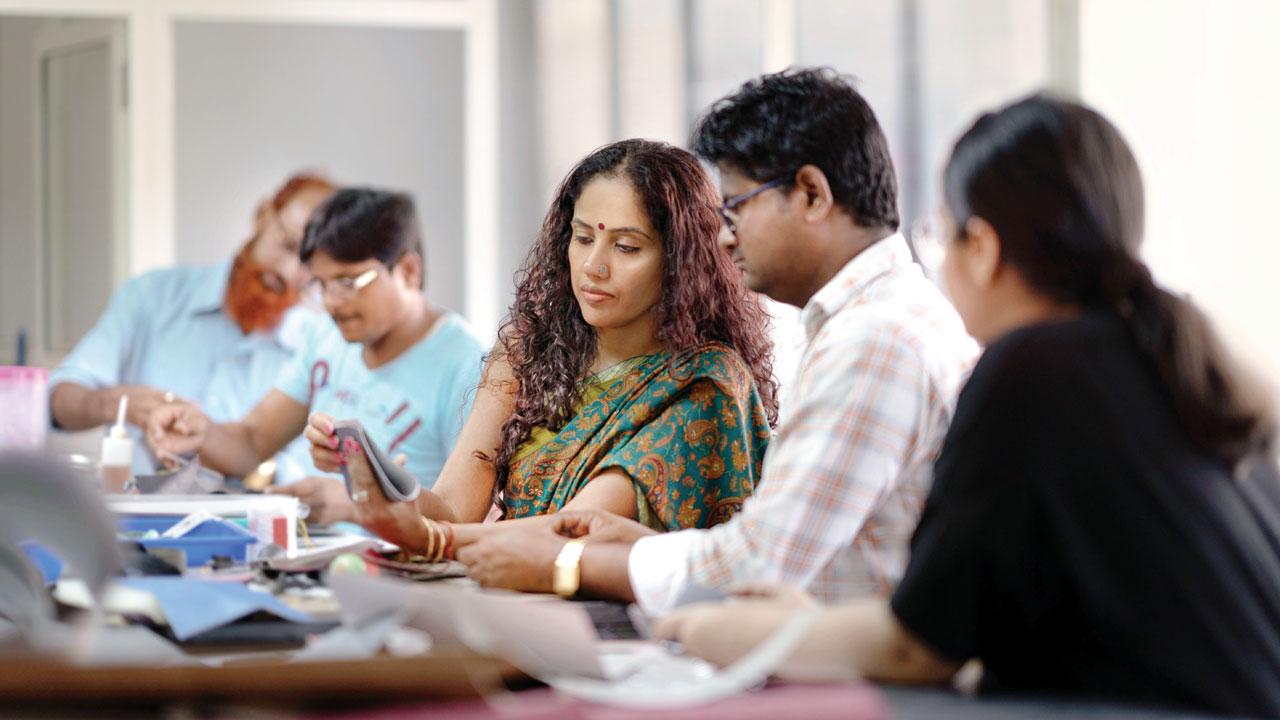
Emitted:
<point x="652" y="63"/>
<point x="18" y="259"/>
<point x="378" y="106"/>
<point x="576" y="94"/>
<point x="1192" y="85"/>
<point x="862" y="38"/>
<point x="522" y="200"/>
<point x="726" y="47"/>
<point x="974" y="54"/>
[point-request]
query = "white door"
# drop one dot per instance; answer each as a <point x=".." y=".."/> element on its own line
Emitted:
<point x="81" y="218"/>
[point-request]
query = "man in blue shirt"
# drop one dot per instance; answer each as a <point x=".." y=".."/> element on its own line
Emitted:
<point x="404" y="368"/>
<point x="211" y="335"/>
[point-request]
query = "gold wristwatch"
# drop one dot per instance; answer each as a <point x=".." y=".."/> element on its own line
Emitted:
<point x="568" y="572"/>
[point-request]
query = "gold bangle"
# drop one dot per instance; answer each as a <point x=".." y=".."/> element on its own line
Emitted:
<point x="437" y="554"/>
<point x="427" y="524"/>
<point x="567" y="573"/>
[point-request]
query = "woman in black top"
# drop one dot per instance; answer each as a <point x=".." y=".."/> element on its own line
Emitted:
<point x="1105" y="517"/>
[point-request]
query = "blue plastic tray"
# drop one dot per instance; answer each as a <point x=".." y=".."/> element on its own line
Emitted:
<point x="207" y="539"/>
<point x="46" y="561"/>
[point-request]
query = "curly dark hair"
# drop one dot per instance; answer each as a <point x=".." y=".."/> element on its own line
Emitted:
<point x="776" y="123"/>
<point x="549" y="345"/>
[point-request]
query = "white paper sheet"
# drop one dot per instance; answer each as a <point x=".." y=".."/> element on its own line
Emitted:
<point x="219" y="505"/>
<point x="658" y="680"/>
<point x="538" y="635"/>
<point x="554" y="641"/>
<point x="323" y="550"/>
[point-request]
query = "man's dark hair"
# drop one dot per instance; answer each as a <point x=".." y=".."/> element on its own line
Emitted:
<point x="356" y="224"/>
<point x="777" y="123"/>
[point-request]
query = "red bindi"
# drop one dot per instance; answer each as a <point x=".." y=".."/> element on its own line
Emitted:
<point x="600" y="225"/>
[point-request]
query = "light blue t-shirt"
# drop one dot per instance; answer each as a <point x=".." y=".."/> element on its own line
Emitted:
<point x="168" y="329"/>
<point x="414" y="404"/>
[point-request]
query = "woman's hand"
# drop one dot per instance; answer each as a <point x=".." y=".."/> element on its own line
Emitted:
<point x="862" y="638"/>
<point x="724" y="632"/>
<point x="785" y="595"/>
<point x="397" y="522"/>
<point x="176" y="429"/>
<point x="324" y="443"/>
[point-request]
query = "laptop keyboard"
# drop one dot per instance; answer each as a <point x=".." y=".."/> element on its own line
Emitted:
<point x="610" y="619"/>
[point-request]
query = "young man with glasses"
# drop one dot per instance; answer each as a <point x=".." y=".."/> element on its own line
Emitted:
<point x="404" y="368"/>
<point x="216" y="335"/>
<point x="811" y="218"/>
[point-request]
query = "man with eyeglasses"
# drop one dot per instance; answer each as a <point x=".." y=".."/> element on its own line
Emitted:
<point x="214" y="335"/>
<point x="811" y="218"/>
<point x="406" y="369"/>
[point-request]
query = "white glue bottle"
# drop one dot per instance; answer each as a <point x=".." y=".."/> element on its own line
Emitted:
<point x="117" y="453"/>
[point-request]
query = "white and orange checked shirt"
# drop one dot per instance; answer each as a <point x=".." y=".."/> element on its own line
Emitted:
<point x="846" y="475"/>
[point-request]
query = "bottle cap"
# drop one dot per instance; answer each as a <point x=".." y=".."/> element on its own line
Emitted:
<point x="117" y="446"/>
<point x="118" y="430"/>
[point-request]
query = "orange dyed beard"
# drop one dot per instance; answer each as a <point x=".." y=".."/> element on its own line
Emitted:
<point x="250" y="303"/>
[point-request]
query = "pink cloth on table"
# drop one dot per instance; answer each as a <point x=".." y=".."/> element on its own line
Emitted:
<point x="857" y="701"/>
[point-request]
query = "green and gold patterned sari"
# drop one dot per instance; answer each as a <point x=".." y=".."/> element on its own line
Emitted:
<point x="689" y="431"/>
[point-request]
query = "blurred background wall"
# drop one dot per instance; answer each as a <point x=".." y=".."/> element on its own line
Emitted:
<point x="302" y="97"/>
<point x="481" y="114"/>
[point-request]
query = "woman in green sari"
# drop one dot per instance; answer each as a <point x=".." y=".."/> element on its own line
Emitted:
<point x="632" y="374"/>
<point x="677" y="426"/>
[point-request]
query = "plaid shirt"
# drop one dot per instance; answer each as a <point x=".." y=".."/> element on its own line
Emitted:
<point x="846" y="476"/>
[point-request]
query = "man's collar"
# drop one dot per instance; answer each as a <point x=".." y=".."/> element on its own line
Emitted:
<point x="211" y="295"/>
<point x="853" y="280"/>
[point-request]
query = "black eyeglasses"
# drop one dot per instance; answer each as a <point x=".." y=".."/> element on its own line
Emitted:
<point x="732" y="204"/>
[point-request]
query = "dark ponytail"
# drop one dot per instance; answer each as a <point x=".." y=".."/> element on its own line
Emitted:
<point x="1062" y="189"/>
<point x="1226" y="411"/>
